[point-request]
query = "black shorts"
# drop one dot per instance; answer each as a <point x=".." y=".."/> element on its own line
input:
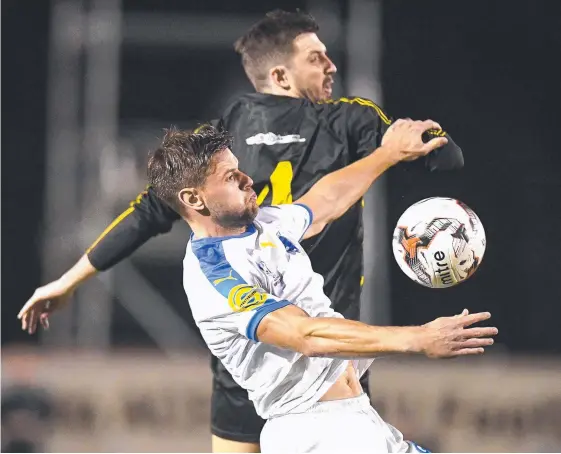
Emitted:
<point x="233" y="415"/>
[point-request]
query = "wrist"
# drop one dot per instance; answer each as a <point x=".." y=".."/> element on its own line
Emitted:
<point x="415" y="340"/>
<point x="68" y="282"/>
<point x="79" y="273"/>
<point x="388" y="154"/>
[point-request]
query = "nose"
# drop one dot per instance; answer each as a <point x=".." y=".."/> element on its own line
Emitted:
<point x="331" y="69"/>
<point x="247" y="181"/>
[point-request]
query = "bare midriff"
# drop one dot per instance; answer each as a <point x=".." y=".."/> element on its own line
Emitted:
<point x="346" y="386"/>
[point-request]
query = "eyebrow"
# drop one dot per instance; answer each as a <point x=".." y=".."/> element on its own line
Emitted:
<point x="317" y="51"/>
<point x="229" y="171"/>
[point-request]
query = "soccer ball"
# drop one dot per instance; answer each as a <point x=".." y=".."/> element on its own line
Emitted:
<point x="439" y="242"/>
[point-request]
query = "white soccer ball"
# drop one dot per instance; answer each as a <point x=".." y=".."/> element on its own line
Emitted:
<point x="439" y="242"/>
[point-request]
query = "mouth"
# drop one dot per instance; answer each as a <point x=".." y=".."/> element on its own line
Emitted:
<point x="253" y="196"/>
<point x="328" y="88"/>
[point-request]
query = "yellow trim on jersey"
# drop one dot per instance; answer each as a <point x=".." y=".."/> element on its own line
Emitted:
<point x="380" y="112"/>
<point x="436" y="132"/>
<point x="363" y="102"/>
<point x="110" y="227"/>
<point x="361" y="281"/>
<point x="118" y="219"/>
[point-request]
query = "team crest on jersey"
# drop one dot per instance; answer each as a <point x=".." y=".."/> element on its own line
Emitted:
<point x="244" y="297"/>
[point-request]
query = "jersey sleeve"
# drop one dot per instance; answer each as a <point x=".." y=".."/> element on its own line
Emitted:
<point x="147" y="216"/>
<point x="290" y="219"/>
<point x="367" y="123"/>
<point x="224" y="296"/>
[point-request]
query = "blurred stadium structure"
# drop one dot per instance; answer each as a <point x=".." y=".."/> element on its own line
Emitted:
<point x="122" y="369"/>
<point x="97" y="153"/>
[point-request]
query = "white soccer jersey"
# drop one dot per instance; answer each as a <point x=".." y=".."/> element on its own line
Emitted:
<point x="233" y="282"/>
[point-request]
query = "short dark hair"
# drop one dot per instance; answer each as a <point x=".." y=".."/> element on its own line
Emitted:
<point x="184" y="160"/>
<point x="270" y="40"/>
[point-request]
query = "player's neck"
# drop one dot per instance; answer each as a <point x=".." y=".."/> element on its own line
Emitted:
<point x="278" y="91"/>
<point x="203" y="230"/>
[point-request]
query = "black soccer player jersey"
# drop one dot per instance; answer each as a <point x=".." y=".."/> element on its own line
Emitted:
<point x="286" y="145"/>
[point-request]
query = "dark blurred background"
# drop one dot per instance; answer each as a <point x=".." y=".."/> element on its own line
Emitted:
<point x="87" y="87"/>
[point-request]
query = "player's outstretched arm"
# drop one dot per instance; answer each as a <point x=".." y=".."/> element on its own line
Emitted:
<point x="147" y="216"/>
<point x="336" y="192"/>
<point x="291" y="328"/>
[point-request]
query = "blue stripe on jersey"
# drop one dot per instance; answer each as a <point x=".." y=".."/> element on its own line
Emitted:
<point x="418" y="448"/>
<point x="269" y="306"/>
<point x="223" y="277"/>
<point x="310" y="214"/>
<point x="215" y="266"/>
<point x="210" y="253"/>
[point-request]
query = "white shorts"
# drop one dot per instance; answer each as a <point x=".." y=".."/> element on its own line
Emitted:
<point x="347" y="425"/>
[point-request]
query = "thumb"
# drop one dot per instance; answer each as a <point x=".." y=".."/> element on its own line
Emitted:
<point x="463" y="314"/>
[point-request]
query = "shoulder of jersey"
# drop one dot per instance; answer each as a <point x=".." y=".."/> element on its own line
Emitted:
<point x="356" y="102"/>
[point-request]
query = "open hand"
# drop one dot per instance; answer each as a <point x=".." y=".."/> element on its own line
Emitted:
<point x="42" y="303"/>
<point x="448" y="337"/>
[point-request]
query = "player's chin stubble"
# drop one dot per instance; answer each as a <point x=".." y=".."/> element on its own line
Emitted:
<point x="234" y="220"/>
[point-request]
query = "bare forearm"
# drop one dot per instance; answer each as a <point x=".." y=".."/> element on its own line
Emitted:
<point x="334" y="337"/>
<point x="79" y="273"/>
<point x="291" y="328"/>
<point x="336" y="192"/>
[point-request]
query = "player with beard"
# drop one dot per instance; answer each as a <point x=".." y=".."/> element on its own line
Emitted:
<point x="261" y="308"/>
<point x="287" y="135"/>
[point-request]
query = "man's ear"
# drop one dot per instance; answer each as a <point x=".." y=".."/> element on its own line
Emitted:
<point x="191" y="198"/>
<point x="279" y="77"/>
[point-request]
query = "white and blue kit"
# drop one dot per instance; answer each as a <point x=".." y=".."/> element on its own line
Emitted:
<point x="232" y="283"/>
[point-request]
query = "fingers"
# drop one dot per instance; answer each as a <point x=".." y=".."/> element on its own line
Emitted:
<point x="31" y="322"/>
<point x="31" y="318"/>
<point x="28" y="305"/>
<point x="480" y="332"/>
<point x="409" y="133"/>
<point x="469" y="351"/>
<point x="430" y="124"/>
<point x="474" y="343"/>
<point x="433" y="144"/>
<point x="44" y="319"/>
<point x="475" y="318"/>
<point x="36" y="310"/>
